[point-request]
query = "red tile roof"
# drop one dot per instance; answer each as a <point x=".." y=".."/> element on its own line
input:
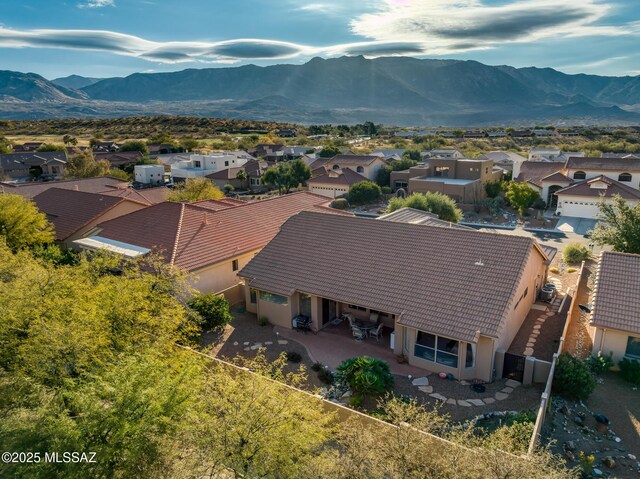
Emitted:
<point x="599" y="164"/>
<point x="150" y="196"/>
<point x="70" y="210"/>
<point x="192" y="236"/>
<point x="614" y="187"/>
<point x="345" y="176"/>
<point x="88" y="185"/>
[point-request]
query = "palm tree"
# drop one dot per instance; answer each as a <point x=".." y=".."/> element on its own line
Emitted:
<point x="241" y="176"/>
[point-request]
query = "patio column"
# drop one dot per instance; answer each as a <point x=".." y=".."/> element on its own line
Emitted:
<point x="316" y="312"/>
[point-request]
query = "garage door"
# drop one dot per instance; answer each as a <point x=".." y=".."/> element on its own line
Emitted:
<point x="579" y="209"/>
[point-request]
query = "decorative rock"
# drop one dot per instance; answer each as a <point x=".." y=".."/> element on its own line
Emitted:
<point x="420" y="381"/>
<point x="268" y="343"/>
<point x="247" y="349"/>
<point x="464" y="383"/>
<point x="528" y="352"/>
<point x="512" y="383"/>
<point x="437" y="396"/>
<point x="235" y="343"/>
<point x="259" y="345"/>
<point x="462" y="402"/>
<point x="254" y="347"/>
<point x="451" y="401"/>
<point x="631" y="456"/>
<point x="507" y="390"/>
<point x="476" y="402"/>
<point x="246" y="343"/>
<point x="570" y="446"/>
<point x="426" y="389"/>
<point x="501" y="396"/>
<point x="489" y="400"/>
<point x="283" y="341"/>
<point x="569" y="456"/>
<point x="348" y="394"/>
<point x="597" y="472"/>
<point x="530" y="344"/>
<point x="536" y="326"/>
<point x="609" y="462"/>
<point x="617" y="439"/>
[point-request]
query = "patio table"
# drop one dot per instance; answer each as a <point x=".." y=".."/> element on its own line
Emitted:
<point x="366" y="326"/>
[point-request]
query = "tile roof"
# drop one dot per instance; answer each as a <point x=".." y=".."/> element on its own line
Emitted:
<point x="88" y="185"/>
<point x="192" y="236"/>
<point x="534" y="171"/>
<point x="34" y="158"/>
<point x="603" y="164"/>
<point x="455" y="282"/>
<point x="354" y="159"/>
<point x="344" y="176"/>
<point x="149" y="196"/>
<point x="616" y="294"/>
<point x="119" y="158"/>
<point x="419" y="217"/>
<point x="558" y="176"/>
<point x="584" y="188"/>
<point x="70" y="210"/>
<point x="226" y="174"/>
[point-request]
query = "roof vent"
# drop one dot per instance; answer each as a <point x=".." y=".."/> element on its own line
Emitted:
<point x="479" y="263"/>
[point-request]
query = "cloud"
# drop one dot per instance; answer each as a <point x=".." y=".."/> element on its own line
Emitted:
<point x="448" y="26"/>
<point x="97" y="4"/>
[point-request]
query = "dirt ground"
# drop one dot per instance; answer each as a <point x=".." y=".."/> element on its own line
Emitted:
<point x="573" y="428"/>
<point x="578" y="342"/>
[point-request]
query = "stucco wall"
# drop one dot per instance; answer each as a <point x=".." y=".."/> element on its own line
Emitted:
<point x="220" y="276"/>
<point x="277" y="314"/>
<point x="328" y="189"/>
<point x="611" y="341"/>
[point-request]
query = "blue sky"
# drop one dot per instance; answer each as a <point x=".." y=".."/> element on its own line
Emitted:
<point x="118" y="37"/>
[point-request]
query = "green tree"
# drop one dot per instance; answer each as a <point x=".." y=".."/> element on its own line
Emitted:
<point x="575" y="253"/>
<point x="50" y="147"/>
<point x="69" y="140"/>
<point x="286" y="175"/>
<point x="521" y="196"/>
<point x="242" y="177"/>
<point x="189" y="144"/>
<point x="619" y="226"/>
<point x="213" y="308"/>
<point x="82" y="164"/>
<point x="435" y="203"/>
<point x="329" y="151"/>
<point x="364" y="192"/>
<point x="21" y="224"/>
<point x="494" y="188"/>
<point x="195" y="189"/>
<point x="413" y="155"/>
<point x="572" y="378"/>
<point x="135" y="145"/>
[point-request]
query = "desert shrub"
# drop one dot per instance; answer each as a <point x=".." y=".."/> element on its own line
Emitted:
<point x="365" y="375"/>
<point x="494" y="188"/>
<point x="340" y="204"/>
<point x="386" y="190"/>
<point x="495" y="204"/>
<point x="316" y="366"/>
<point x="599" y="363"/>
<point x="575" y="253"/>
<point x="326" y="376"/>
<point x="630" y="370"/>
<point x="571" y="270"/>
<point x="263" y="321"/>
<point x="228" y="188"/>
<point x="573" y="379"/>
<point x="356" y="401"/>
<point x="517" y="435"/>
<point x="364" y="192"/>
<point x="554" y="270"/>
<point x="213" y="308"/>
<point x="436" y="203"/>
<point x="294" y="357"/>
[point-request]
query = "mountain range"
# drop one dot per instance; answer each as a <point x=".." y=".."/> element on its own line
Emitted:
<point x="393" y="91"/>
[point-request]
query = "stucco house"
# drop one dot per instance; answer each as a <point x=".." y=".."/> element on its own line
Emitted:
<point x="211" y="239"/>
<point x="615" y="314"/>
<point x="452" y="297"/>
<point x="581" y="199"/>
<point x="335" y="183"/>
<point x="75" y="213"/>
<point x="365" y="165"/>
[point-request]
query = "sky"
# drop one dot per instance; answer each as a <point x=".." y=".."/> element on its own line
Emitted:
<point x="104" y="38"/>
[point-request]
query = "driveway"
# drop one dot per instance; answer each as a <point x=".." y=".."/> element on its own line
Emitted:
<point x="579" y="226"/>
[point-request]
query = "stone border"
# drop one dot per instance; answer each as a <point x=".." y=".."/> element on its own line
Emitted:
<point x="422" y="383"/>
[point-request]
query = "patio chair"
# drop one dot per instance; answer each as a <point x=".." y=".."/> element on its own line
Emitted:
<point x="358" y="333"/>
<point x="373" y="318"/>
<point x="377" y="333"/>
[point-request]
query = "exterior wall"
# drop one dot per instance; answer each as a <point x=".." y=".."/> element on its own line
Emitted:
<point x="208" y="164"/>
<point x="237" y="184"/>
<point x="121" y="209"/>
<point x="468" y="193"/>
<point x="370" y="171"/>
<point x="277" y="314"/>
<point x="220" y="276"/>
<point x="635" y="175"/>
<point x="581" y="206"/>
<point x="149" y="174"/>
<point x="328" y="189"/>
<point x="611" y="341"/>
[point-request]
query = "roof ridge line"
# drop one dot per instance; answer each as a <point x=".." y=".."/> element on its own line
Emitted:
<point x="175" y="245"/>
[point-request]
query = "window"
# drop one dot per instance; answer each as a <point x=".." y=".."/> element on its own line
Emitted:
<point x="441" y="172"/>
<point x="633" y="347"/>
<point x="401" y="184"/>
<point x="253" y="296"/>
<point x="234" y="265"/>
<point x="624" y="177"/>
<point x="360" y="169"/>
<point x="437" y="349"/>
<point x="336" y="167"/>
<point x="305" y="305"/>
<point x="226" y="163"/>
<point x="357" y="308"/>
<point x="470" y="360"/>
<point x="273" y="298"/>
<point x="197" y="164"/>
<point x="579" y="175"/>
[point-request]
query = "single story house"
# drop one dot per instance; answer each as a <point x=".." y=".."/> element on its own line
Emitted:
<point x="212" y="239"/>
<point x="365" y="165"/>
<point x="334" y="183"/>
<point x="99" y="184"/>
<point x="615" y="312"/>
<point x="581" y="199"/>
<point x="452" y="297"/>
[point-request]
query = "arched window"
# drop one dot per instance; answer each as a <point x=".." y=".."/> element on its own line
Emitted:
<point x="579" y="175"/>
<point x="624" y="177"/>
<point x="360" y="169"/>
<point x="336" y="167"/>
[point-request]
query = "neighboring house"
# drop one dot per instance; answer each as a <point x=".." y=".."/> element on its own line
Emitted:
<point x="28" y="146"/>
<point x="119" y="159"/>
<point x="461" y="179"/>
<point x="581" y="199"/>
<point x="211" y="240"/>
<point x="389" y="153"/>
<point x="497" y="134"/>
<point x="625" y="170"/>
<point x="544" y="154"/>
<point x="507" y="160"/>
<point x="47" y="165"/>
<point x="75" y="213"/>
<point x="148" y="196"/>
<point x="442" y="153"/>
<point x="365" y="165"/>
<point x="263" y="150"/>
<point x="334" y="183"/>
<point x="521" y="133"/>
<point x="287" y="132"/>
<point x="615" y="321"/>
<point x="450" y="309"/>
<point x="474" y="134"/>
<point x="198" y="166"/>
<point x="626" y="156"/>
<point x="254" y="170"/>
<point x="532" y="172"/>
<point x="161" y="148"/>
<point x="543" y="133"/>
<point x="295" y="152"/>
<point x="88" y="185"/>
<point x="108" y="146"/>
<point x="153" y="175"/>
<point x="228" y="176"/>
